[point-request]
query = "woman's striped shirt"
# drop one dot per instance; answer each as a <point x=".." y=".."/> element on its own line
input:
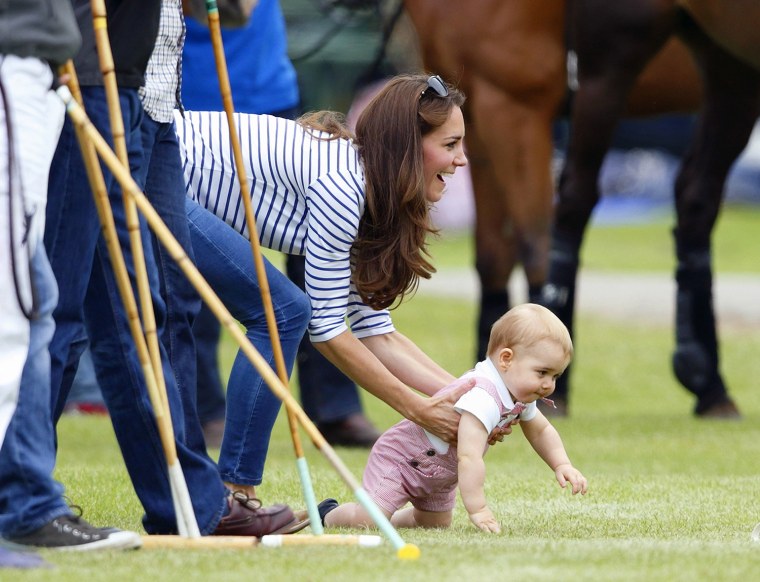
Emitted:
<point x="307" y="195"/>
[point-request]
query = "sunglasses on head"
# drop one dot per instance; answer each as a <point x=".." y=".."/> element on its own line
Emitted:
<point x="437" y="85"/>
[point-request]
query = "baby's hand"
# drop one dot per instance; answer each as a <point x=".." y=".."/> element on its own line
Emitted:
<point x="486" y="521"/>
<point x="568" y="474"/>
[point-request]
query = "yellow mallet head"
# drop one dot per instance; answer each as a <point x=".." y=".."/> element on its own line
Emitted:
<point x="408" y="552"/>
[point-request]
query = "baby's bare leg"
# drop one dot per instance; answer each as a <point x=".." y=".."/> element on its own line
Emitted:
<point x="350" y="515"/>
<point x="413" y="517"/>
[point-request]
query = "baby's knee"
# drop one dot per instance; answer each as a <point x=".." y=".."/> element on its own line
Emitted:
<point x="433" y="519"/>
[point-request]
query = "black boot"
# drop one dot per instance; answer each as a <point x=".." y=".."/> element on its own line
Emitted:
<point x="493" y="305"/>
<point x="695" y="358"/>
<point x="558" y="295"/>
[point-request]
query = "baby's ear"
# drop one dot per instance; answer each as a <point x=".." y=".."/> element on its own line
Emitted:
<point x="506" y="355"/>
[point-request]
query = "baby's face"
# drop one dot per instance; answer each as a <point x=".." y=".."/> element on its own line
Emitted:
<point x="531" y="373"/>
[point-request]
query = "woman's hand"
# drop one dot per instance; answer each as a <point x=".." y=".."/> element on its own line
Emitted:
<point x="437" y="414"/>
<point x="499" y="432"/>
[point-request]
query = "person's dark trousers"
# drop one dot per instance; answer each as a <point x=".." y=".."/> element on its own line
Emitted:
<point x="327" y="395"/>
<point x="85" y="276"/>
<point x="211" y="399"/>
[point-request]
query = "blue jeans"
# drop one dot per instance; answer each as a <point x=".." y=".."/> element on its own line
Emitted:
<point x="80" y="260"/>
<point x="327" y="395"/>
<point x="161" y="173"/>
<point x="29" y="497"/>
<point x="225" y="260"/>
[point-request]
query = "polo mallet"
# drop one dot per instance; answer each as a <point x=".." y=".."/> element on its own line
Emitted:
<point x="279" y="389"/>
<point x="186" y="522"/>
<point x="267" y="541"/>
<point x="250" y="219"/>
<point x="362" y="541"/>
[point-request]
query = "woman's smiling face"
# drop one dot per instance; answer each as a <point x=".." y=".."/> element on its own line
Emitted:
<point x="443" y="153"/>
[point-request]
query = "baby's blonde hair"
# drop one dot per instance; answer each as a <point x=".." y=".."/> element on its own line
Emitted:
<point x="526" y="325"/>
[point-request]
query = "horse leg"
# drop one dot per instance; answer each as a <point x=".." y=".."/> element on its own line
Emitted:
<point x="732" y="97"/>
<point x="614" y="41"/>
<point x="494" y="242"/>
<point x="510" y="148"/>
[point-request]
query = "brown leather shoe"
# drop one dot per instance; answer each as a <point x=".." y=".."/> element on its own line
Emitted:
<point x="248" y="518"/>
<point x="353" y="431"/>
<point x="301" y="521"/>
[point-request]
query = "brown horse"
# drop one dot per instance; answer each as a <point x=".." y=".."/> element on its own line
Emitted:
<point x="731" y="24"/>
<point x="509" y="56"/>
<point x="615" y="41"/>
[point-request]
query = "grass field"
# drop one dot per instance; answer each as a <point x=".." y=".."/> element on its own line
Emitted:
<point x="671" y="497"/>
<point x="641" y="246"/>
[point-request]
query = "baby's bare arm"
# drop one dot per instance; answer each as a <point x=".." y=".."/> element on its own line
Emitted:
<point x="546" y="441"/>
<point x="472" y="472"/>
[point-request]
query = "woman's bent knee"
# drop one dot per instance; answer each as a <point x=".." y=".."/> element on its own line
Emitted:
<point x="295" y="313"/>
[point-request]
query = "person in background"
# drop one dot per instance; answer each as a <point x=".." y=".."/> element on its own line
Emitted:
<point x="85" y="396"/>
<point x="263" y="81"/>
<point x="528" y="350"/>
<point x="89" y="304"/>
<point x="36" y="36"/>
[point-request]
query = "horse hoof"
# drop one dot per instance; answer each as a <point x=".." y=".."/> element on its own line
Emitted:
<point x="721" y="410"/>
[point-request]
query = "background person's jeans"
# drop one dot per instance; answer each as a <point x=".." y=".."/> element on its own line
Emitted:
<point x="225" y="260"/>
<point x="211" y="398"/>
<point x="161" y="173"/>
<point x="85" y="390"/>
<point x="79" y="257"/>
<point x="29" y="497"/>
<point x="327" y="394"/>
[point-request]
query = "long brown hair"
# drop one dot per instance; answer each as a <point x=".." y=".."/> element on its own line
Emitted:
<point x="390" y="253"/>
<point x="331" y="123"/>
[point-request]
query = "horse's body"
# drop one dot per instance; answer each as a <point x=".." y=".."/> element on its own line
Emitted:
<point x="615" y="40"/>
<point x="509" y="57"/>
<point x="731" y="24"/>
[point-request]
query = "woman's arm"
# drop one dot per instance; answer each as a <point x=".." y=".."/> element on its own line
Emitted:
<point x="408" y="362"/>
<point x="385" y="368"/>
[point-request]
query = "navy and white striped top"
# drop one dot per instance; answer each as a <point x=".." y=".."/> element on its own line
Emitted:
<point x="307" y="195"/>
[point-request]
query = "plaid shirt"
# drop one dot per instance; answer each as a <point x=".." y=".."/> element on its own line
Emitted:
<point x="161" y="93"/>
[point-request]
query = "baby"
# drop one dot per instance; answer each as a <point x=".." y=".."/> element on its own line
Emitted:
<point x="529" y="348"/>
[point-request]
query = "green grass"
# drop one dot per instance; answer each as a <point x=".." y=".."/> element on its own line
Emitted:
<point x="640" y="247"/>
<point x="671" y="497"/>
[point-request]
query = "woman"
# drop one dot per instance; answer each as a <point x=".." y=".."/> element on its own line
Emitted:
<point x="358" y="208"/>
